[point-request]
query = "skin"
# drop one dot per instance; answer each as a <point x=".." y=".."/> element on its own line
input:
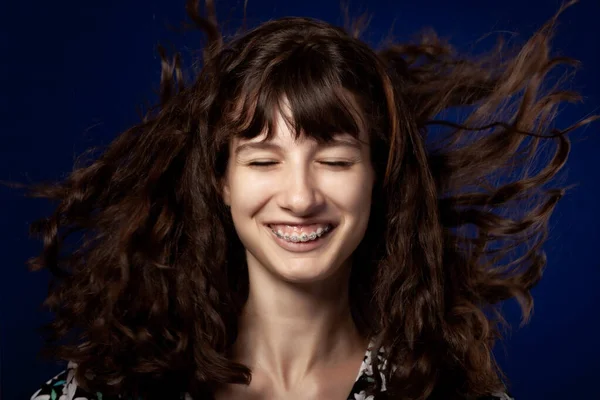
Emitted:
<point x="296" y="332"/>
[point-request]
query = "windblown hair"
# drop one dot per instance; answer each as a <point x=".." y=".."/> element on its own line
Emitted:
<point x="147" y="299"/>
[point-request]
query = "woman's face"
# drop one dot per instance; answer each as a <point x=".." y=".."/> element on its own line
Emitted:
<point x="299" y="208"/>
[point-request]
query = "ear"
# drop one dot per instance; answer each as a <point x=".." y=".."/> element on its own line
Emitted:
<point x="225" y="192"/>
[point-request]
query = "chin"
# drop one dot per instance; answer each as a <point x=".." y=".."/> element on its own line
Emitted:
<point x="303" y="272"/>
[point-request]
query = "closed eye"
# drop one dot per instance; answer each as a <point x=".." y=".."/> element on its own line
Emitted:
<point x="269" y="163"/>
<point x="262" y="163"/>
<point x="337" y="163"/>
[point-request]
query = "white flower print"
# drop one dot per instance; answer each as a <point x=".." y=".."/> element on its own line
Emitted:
<point x="363" y="396"/>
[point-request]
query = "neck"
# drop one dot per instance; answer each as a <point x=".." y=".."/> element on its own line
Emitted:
<point x="289" y="330"/>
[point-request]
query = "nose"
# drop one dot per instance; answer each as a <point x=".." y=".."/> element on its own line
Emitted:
<point x="300" y="194"/>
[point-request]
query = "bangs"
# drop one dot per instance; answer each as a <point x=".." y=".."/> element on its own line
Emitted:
<point x="308" y="91"/>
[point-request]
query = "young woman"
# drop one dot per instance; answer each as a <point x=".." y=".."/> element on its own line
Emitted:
<point x="300" y="223"/>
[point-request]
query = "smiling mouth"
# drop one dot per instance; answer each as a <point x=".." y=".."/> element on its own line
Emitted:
<point x="302" y="237"/>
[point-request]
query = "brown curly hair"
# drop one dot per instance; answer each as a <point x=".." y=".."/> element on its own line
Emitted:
<point x="148" y="298"/>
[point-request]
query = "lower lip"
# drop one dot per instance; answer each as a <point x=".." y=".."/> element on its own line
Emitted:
<point x="301" y="247"/>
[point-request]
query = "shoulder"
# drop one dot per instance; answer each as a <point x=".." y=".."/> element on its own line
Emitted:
<point x="365" y="376"/>
<point x="63" y="387"/>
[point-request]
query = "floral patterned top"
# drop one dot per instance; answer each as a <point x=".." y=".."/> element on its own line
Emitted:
<point x="64" y="386"/>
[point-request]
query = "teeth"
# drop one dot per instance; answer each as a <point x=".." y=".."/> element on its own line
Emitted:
<point x="303" y="237"/>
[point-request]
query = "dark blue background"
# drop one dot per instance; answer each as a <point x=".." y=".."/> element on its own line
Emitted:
<point x="72" y="73"/>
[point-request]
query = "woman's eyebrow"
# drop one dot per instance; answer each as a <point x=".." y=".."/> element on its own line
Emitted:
<point x="345" y="141"/>
<point x="267" y="145"/>
<point x="256" y="146"/>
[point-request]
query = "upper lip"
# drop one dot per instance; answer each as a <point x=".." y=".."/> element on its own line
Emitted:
<point x="303" y="223"/>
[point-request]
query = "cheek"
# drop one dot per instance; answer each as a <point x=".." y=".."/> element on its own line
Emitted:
<point x="249" y="192"/>
<point x="352" y="193"/>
